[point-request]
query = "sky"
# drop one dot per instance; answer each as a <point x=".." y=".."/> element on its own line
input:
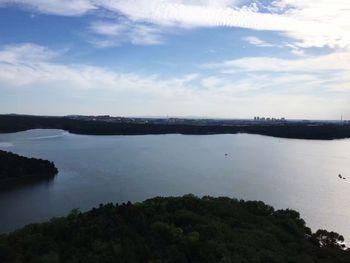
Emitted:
<point x="181" y="58"/>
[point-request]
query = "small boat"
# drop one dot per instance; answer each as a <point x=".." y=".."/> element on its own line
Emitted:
<point x="340" y="176"/>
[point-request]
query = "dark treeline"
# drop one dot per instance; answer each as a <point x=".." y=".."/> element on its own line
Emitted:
<point x="14" y="168"/>
<point x="175" y="229"/>
<point x="15" y="123"/>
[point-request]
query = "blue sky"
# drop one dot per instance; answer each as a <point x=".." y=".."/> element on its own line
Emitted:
<point x="205" y="58"/>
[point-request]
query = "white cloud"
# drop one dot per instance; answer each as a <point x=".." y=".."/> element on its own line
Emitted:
<point x="278" y="81"/>
<point x="34" y="67"/>
<point x="258" y="42"/>
<point x="333" y="62"/>
<point x="116" y="33"/>
<point x="307" y="74"/>
<point x="25" y="52"/>
<point x="310" y="23"/>
<point x="56" y="7"/>
<point x="30" y="65"/>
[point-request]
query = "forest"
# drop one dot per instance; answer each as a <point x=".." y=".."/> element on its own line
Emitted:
<point x="175" y="229"/>
<point x="326" y="131"/>
<point x="14" y="168"/>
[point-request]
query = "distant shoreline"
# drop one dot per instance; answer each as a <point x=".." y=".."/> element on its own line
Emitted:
<point x="291" y="130"/>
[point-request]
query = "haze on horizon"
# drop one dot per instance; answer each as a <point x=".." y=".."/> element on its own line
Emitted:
<point x="209" y="58"/>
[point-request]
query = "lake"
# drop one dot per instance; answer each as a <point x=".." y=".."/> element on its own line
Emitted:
<point x="285" y="173"/>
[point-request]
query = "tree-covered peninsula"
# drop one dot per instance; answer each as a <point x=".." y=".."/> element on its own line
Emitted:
<point x="14" y="168"/>
<point x="175" y="229"/>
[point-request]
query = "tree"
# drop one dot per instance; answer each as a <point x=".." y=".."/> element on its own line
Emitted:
<point x="323" y="238"/>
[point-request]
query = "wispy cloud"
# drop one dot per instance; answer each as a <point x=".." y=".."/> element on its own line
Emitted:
<point x="29" y="66"/>
<point x="121" y="31"/>
<point x="323" y="23"/>
<point x="25" y="52"/>
<point x="322" y="73"/>
<point x="40" y="69"/>
<point x="55" y="7"/>
<point x="333" y="62"/>
<point x="36" y="66"/>
<point x="308" y="23"/>
<point x="258" y="42"/>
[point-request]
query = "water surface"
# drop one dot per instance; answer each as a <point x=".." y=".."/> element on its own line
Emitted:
<point x="286" y="173"/>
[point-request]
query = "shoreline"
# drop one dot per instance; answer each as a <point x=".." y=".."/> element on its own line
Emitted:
<point x="326" y="131"/>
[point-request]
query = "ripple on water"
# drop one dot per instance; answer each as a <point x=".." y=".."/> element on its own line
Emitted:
<point x="6" y="144"/>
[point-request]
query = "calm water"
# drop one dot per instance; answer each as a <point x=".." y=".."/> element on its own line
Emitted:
<point x="297" y="174"/>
